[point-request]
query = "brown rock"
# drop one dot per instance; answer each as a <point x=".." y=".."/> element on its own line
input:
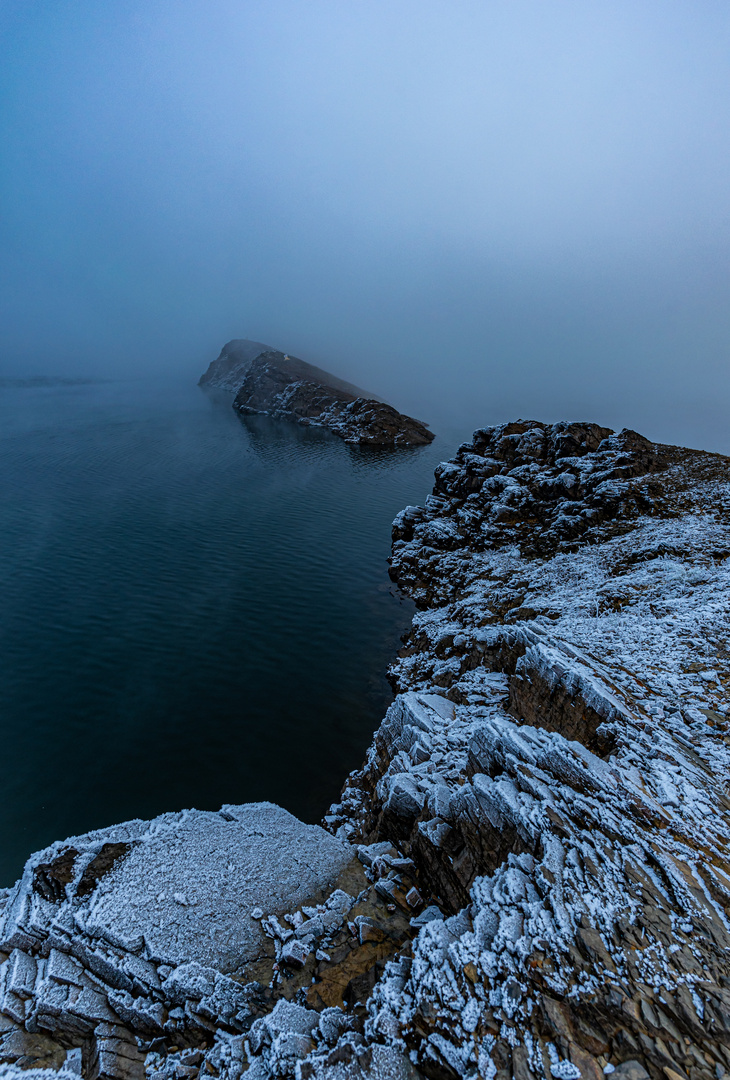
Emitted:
<point x="289" y="388"/>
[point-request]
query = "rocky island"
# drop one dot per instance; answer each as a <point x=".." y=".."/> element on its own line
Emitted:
<point x="528" y="877"/>
<point x="267" y="381"/>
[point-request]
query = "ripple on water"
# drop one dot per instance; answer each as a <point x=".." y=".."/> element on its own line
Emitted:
<point x="195" y="609"/>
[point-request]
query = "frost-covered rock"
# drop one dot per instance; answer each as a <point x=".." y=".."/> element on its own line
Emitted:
<point x="557" y="762"/>
<point x="142" y="932"/>
<point x="529" y="877"/>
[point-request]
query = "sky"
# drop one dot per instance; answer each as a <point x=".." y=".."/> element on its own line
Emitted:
<point x="478" y="209"/>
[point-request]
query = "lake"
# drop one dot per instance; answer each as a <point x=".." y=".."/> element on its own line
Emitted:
<point x="195" y="607"/>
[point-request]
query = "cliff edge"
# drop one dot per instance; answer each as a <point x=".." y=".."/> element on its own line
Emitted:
<point x="556" y="763"/>
<point x="270" y="382"/>
<point x="529" y="876"/>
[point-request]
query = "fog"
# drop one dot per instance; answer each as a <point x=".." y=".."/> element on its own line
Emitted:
<point x="479" y="210"/>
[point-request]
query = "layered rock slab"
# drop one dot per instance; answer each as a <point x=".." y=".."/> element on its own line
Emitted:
<point x="182" y="886"/>
<point x="154" y="929"/>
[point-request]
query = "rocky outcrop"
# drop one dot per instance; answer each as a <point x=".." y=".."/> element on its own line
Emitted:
<point x="529" y="877"/>
<point x="556" y="764"/>
<point x="160" y="945"/>
<point x="270" y="382"/>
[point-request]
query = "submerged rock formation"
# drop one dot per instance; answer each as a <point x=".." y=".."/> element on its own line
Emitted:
<point x="270" y="382"/>
<point x="529" y="877"/>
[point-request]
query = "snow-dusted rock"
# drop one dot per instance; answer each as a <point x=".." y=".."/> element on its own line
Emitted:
<point x="557" y="761"/>
<point x="143" y="931"/>
<point x="529" y="876"/>
<point x="289" y="388"/>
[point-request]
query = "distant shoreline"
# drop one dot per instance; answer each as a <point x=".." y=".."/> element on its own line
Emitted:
<point x="34" y="381"/>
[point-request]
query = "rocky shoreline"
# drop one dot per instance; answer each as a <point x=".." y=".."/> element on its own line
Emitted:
<point x="266" y="381"/>
<point x="528" y="877"/>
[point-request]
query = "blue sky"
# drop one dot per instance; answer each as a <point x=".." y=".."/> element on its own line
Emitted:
<point x="478" y="209"/>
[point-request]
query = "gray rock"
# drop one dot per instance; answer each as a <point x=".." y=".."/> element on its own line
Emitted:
<point x="224" y="864"/>
<point x="430" y="914"/>
<point x="630" y="1070"/>
<point x="294" y="954"/>
<point x="132" y="933"/>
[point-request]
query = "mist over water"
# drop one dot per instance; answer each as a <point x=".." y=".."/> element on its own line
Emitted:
<point x="480" y="210"/>
<point x="477" y="209"/>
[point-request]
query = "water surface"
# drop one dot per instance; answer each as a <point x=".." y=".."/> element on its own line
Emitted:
<point x="195" y="608"/>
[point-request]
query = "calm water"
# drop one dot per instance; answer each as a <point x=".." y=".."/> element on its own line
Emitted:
<point x="195" y="609"/>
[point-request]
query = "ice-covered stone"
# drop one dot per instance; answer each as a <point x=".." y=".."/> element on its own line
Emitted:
<point x="131" y="933"/>
<point x="278" y="862"/>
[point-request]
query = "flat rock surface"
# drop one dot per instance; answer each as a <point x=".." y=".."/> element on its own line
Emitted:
<point x="184" y="884"/>
<point x="188" y="887"/>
